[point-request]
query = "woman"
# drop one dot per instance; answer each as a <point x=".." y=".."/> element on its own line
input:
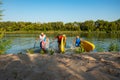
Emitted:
<point x="42" y="38"/>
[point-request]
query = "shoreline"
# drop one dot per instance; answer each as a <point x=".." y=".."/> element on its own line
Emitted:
<point x="87" y="66"/>
<point x="52" y="32"/>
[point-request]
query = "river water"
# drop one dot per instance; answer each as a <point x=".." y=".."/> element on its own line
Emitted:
<point x="23" y="42"/>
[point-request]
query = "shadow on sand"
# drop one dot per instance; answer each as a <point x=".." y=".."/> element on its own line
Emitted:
<point x="51" y="67"/>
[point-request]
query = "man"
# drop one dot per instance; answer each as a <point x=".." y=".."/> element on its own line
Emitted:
<point x="59" y="38"/>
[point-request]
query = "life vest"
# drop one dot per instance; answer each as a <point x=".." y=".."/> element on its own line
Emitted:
<point x="77" y="43"/>
<point x="60" y="38"/>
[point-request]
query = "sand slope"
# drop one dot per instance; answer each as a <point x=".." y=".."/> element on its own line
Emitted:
<point x="88" y="66"/>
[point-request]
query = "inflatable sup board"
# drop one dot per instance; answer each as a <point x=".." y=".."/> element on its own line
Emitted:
<point x="88" y="46"/>
<point x="62" y="46"/>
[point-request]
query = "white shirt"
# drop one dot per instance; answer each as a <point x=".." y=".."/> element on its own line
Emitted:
<point x="42" y="38"/>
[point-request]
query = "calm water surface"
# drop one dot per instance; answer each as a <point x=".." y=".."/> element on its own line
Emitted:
<point x="22" y="42"/>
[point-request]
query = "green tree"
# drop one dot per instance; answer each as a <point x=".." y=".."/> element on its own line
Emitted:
<point x="4" y="44"/>
<point x="118" y="24"/>
<point x="99" y="25"/>
<point x="112" y="26"/>
<point x="88" y="26"/>
<point x="102" y="25"/>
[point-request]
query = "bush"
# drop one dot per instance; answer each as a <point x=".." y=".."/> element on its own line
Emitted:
<point x="51" y="52"/>
<point x="79" y="49"/>
<point x="42" y="52"/>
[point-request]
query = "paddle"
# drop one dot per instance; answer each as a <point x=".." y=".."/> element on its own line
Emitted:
<point x="35" y="43"/>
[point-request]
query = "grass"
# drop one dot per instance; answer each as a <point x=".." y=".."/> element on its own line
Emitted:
<point x="30" y="51"/>
<point x="42" y="52"/>
<point x="113" y="47"/>
<point x="99" y="48"/>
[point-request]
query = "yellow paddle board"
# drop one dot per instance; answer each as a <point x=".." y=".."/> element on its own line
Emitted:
<point x="62" y="47"/>
<point x="88" y="46"/>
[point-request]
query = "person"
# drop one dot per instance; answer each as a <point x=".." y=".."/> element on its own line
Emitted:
<point x="59" y="38"/>
<point x="42" y="38"/>
<point x="77" y="41"/>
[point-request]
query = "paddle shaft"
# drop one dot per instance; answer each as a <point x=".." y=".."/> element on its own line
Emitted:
<point x="34" y="44"/>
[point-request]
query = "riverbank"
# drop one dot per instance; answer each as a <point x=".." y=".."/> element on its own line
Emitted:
<point x="52" y="32"/>
<point x="87" y="66"/>
<point x="38" y="32"/>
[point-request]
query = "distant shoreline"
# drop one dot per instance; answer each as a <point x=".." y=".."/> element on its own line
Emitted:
<point x="52" y="32"/>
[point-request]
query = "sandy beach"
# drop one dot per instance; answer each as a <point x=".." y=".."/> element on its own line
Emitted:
<point x="86" y="66"/>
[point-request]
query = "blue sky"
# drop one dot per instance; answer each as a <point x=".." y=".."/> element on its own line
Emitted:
<point x="60" y="10"/>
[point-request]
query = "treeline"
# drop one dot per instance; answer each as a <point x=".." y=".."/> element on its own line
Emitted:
<point x="90" y="25"/>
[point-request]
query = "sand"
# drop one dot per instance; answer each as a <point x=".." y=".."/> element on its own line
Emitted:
<point x="86" y="66"/>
